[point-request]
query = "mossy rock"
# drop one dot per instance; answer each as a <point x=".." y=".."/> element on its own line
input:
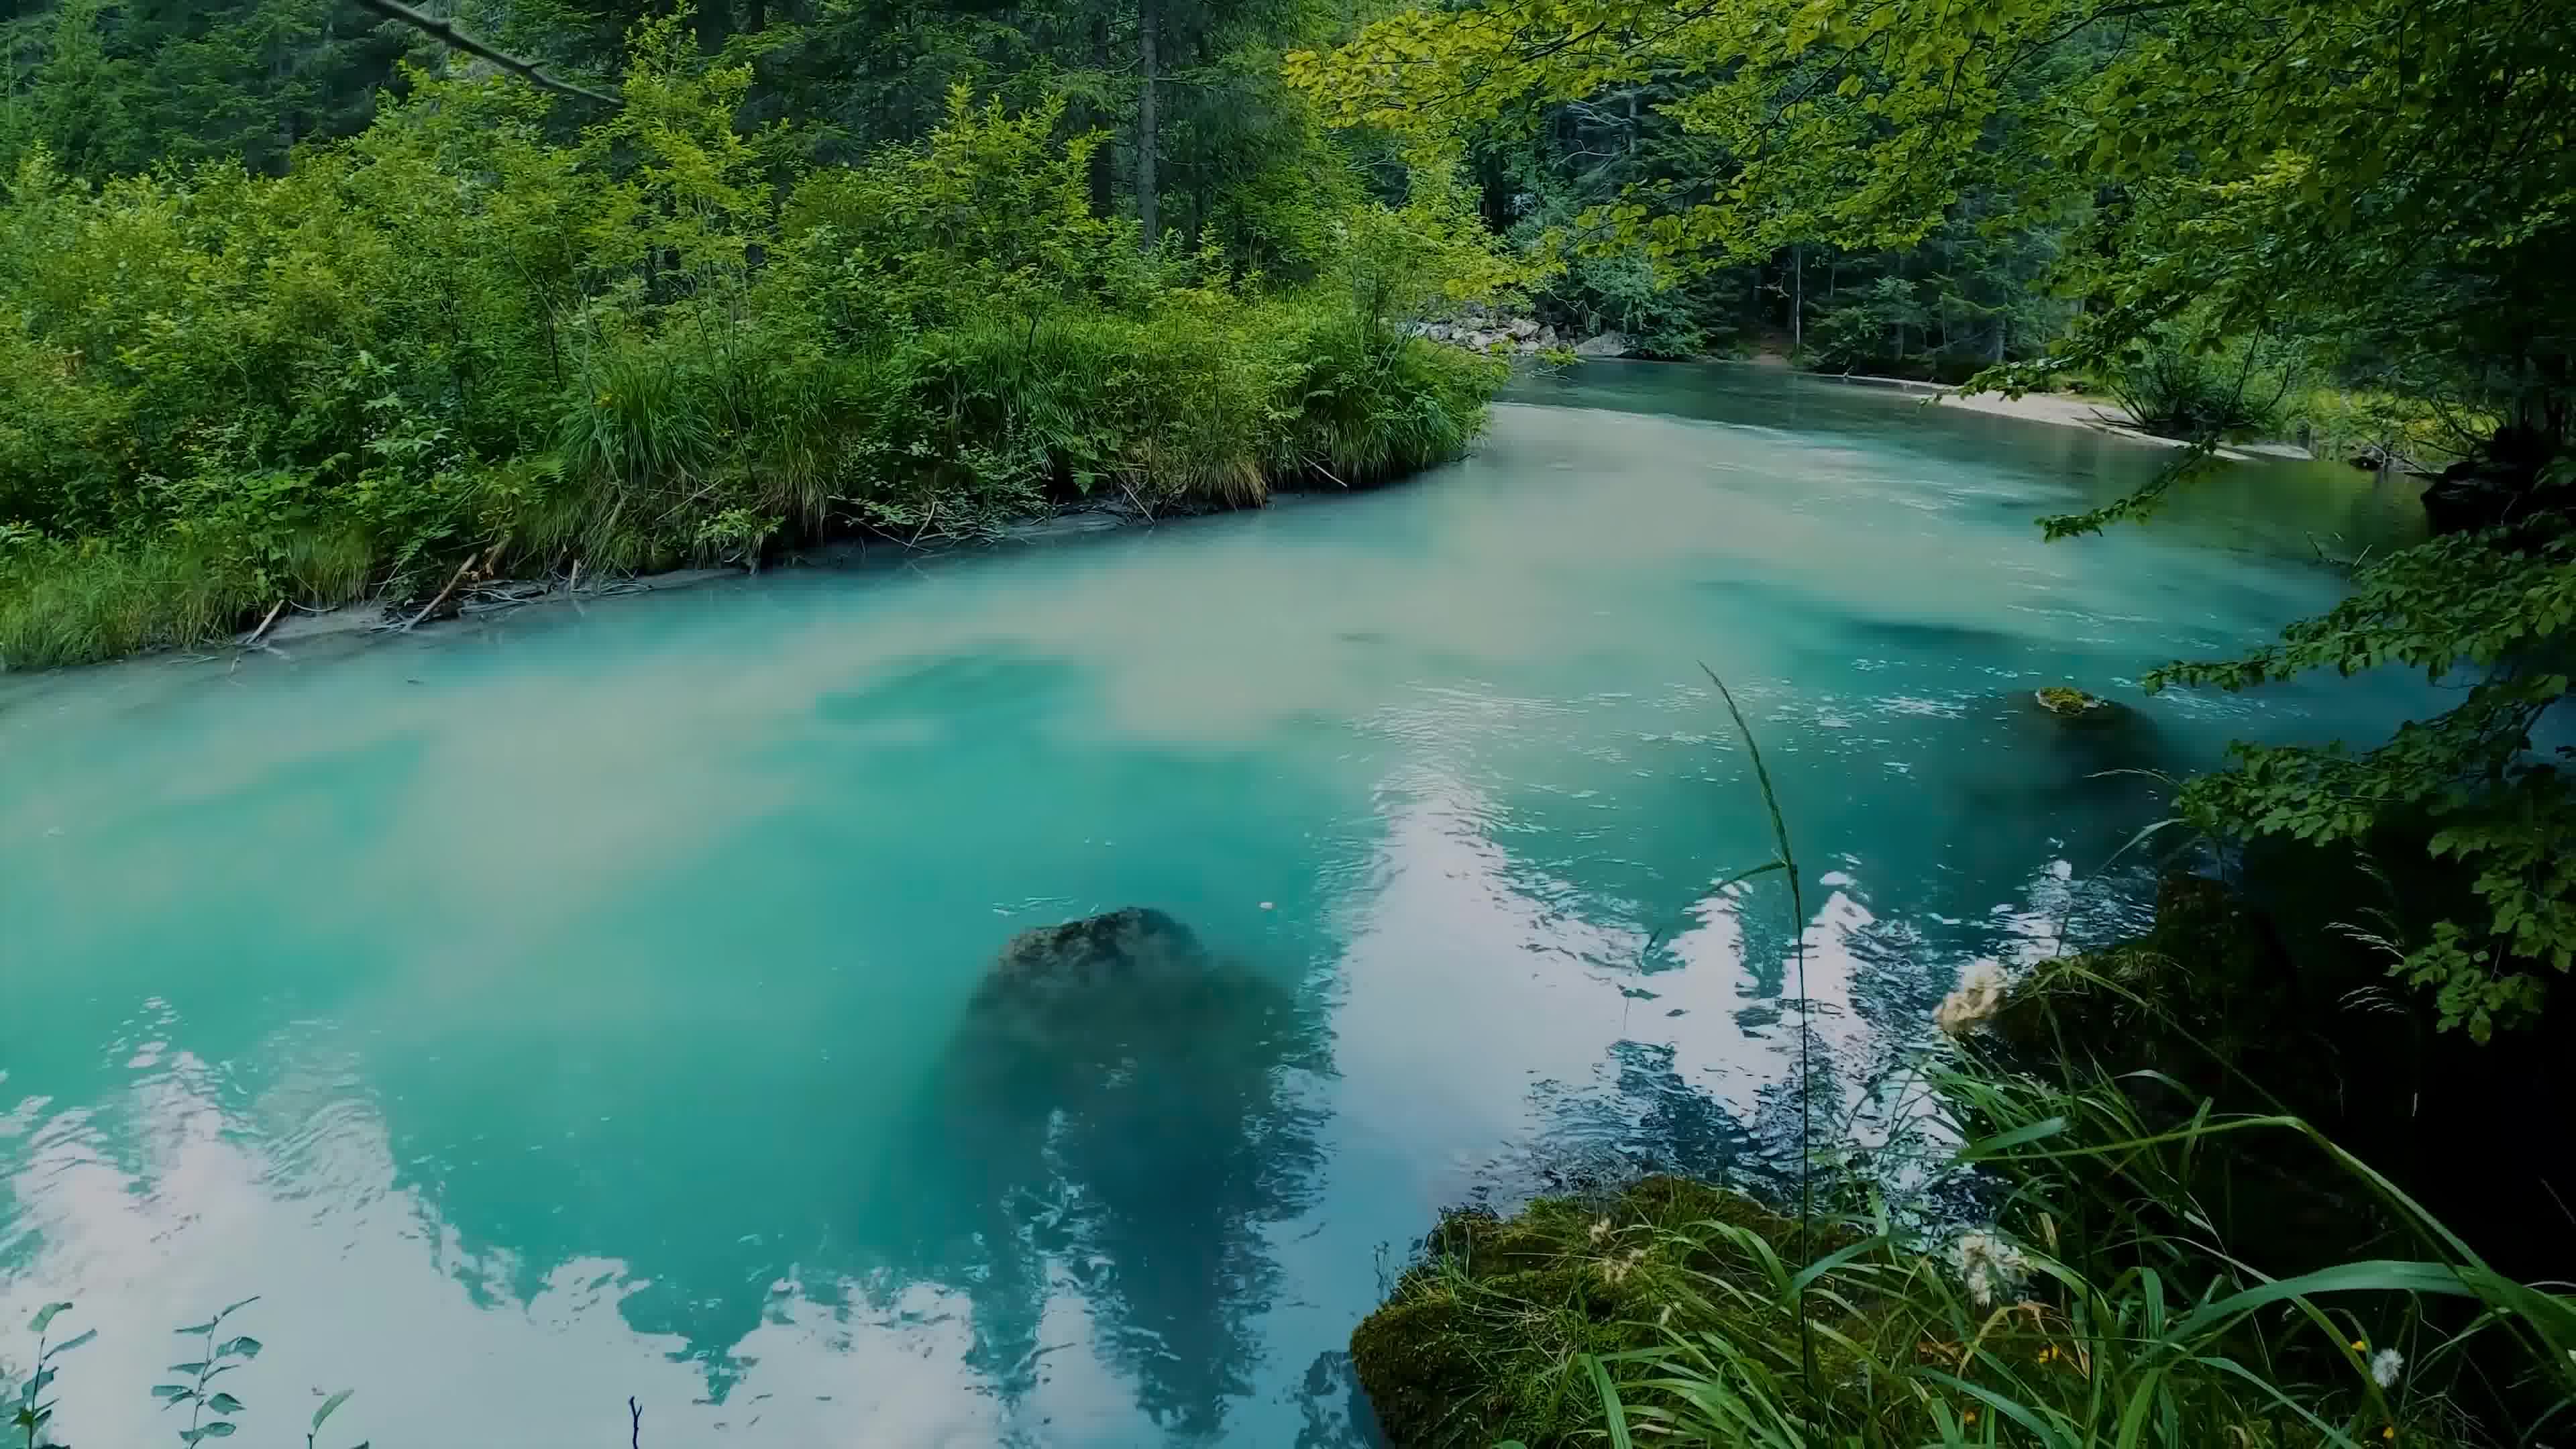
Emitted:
<point x="2065" y="701"/>
<point x="2208" y="984"/>
<point x="1478" y="1344"/>
<point x="1129" y="977"/>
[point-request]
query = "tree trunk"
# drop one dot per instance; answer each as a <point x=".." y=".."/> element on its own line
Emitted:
<point x="711" y="18"/>
<point x="755" y="15"/>
<point x="1103" y="158"/>
<point x="1149" y="18"/>
<point x="1797" y="302"/>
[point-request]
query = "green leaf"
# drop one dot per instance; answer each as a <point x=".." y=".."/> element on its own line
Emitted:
<point x="1612" y="1410"/>
<point x="2041" y="1429"/>
<point x="46" y="1315"/>
<point x="196" y="1328"/>
<point x="232" y="1309"/>
<point x="1745" y="875"/>
<point x="2379" y="1275"/>
<point x="188" y="1368"/>
<point x="244" y="1347"/>
<point x="329" y="1407"/>
<point x="1834" y="1260"/>
<point x="2020" y="1136"/>
<point x="224" y="1404"/>
<point x="175" y="1393"/>
<point x="75" y="1341"/>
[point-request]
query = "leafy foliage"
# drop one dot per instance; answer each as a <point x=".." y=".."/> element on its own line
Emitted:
<point x="463" y="335"/>
<point x="213" y="1413"/>
<point x="2460" y="607"/>
<point x="2382" y="188"/>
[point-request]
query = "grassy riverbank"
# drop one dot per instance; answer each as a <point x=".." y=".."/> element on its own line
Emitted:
<point x="2110" y="1259"/>
<point x="2094" y="1301"/>
<point x="458" y="342"/>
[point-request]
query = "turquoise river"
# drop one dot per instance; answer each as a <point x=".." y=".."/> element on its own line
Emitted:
<point x="562" y="1006"/>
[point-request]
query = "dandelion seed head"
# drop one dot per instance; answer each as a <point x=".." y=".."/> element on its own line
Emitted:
<point x="1988" y="1266"/>
<point x="2384" y="1367"/>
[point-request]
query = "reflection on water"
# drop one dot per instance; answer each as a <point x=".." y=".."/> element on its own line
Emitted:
<point x="583" y="1005"/>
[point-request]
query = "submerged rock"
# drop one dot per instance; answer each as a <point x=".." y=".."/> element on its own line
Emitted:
<point x="1113" y="1118"/>
<point x="1477" y="1343"/>
<point x="1108" y="987"/>
<point x="1052" y="963"/>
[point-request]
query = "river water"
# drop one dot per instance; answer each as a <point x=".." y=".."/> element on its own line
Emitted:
<point x="563" y="1007"/>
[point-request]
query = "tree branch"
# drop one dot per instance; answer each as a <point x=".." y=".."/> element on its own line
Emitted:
<point x="446" y="33"/>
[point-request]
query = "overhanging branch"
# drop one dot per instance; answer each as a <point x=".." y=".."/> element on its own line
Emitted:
<point x="446" y="33"/>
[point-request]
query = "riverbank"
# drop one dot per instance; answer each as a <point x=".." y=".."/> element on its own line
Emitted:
<point x="483" y="598"/>
<point x="982" y="431"/>
<point x="410" y="370"/>
<point x="2072" y="410"/>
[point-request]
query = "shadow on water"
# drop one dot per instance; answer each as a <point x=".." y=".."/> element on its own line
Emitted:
<point x="1118" y="1116"/>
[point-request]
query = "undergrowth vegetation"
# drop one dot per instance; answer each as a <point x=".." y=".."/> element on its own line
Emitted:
<point x="2035" y="1247"/>
<point x="456" y="337"/>
<point x="2094" y="1304"/>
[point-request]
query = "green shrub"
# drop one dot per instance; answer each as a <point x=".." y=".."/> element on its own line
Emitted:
<point x="2180" y="387"/>
<point x="455" y="336"/>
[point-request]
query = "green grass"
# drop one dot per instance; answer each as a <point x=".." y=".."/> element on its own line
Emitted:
<point x="2098" y="1306"/>
<point x="61" y="604"/>
<point x="667" y="453"/>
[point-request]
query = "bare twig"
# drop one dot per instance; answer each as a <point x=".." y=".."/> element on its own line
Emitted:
<point x="634" y="1423"/>
<point x="574" y="587"/>
<point x="926" y="520"/>
<point x="446" y="33"/>
<point x="452" y="581"/>
<point x="262" y="631"/>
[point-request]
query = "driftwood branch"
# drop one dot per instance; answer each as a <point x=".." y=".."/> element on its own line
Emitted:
<point x="262" y="631"/>
<point x="446" y="33"/>
<point x="452" y="581"/>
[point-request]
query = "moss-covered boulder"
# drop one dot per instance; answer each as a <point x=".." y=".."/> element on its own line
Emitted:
<point x="2208" y="986"/>
<point x="2067" y="702"/>
<point x="1478" y="1344"/>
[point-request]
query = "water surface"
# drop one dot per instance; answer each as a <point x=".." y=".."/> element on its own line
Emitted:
<point x="564" y="1007"/>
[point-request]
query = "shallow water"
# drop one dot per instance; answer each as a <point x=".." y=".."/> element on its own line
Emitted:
<point x="561" y="1008"/>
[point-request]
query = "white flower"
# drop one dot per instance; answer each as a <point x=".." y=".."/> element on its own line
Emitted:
<point x="2384" y="1366"/>
<point x="1600" y="1229"/>
<point x="1989" y="1267"/>
<point x="1980" y="994"/>
<point x="1614" y="1269"/>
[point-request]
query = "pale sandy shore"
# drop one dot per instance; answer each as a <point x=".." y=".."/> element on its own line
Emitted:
<point x="2064" y="409"/>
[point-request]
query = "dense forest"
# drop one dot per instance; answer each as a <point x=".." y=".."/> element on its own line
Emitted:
<point x="308" y="302"/>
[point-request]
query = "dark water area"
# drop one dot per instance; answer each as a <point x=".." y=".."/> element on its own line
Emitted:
<point x="579" y="1004"/>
